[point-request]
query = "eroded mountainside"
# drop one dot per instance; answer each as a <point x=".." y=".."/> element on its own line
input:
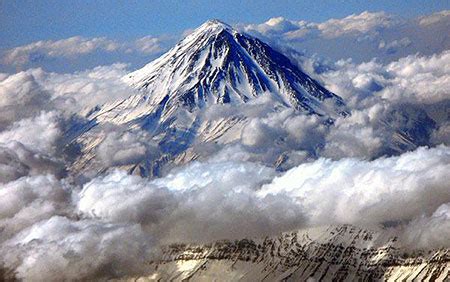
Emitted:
<point x="174" y="96"/>
<point x="335" y="253"/>
<point x="202" y="94"/>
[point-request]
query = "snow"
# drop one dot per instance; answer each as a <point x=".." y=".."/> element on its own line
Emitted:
<point x="217" y="63"/>
<point x="214" y="65"/>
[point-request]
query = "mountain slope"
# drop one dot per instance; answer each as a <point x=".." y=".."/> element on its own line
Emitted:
<point x="334" y="253"/>
<point x="215" y="65"/>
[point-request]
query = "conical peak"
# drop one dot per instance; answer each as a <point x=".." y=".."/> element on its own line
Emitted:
<point x="210" y="29"/>
<point x="214" y="25"/>
<point x="216" y="22"/>
<point x="217" y="63"/>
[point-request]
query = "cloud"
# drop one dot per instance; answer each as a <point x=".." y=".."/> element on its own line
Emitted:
<point x="371" y="89"/>
<point x="11" y="167"/>
<point x="355" y="136"/>
<point x="390" y="107"/>
<point x="442" y="134"/>
<point x="355" y="24"/>
<point x="201" y="202"/>
<point x="360" y="37"/>
<point x="60" y="248"/>
<point x="43" y="239"/>
<point x="69" y="48"/>
<point x="109" y="227"/>
<point x="429" y="231"/>
<point x="421" y="79"/>
<point x="88" y="88"/>
<point x="391" y="189"/>
<point x="26" y="94"/>
<point x="40" y="53"/>
<point x="17" y="160"/>
<point x="280" y="25"/>
<point x="40" y="133"/>
<point x="150" y="204"/>
<point x="149" y="44"/>
<point x="362" y="23"/>
<point x="196" y="176"/>
<point x="438" y="17"/>
<point x="20" y="97"/>
<point x="122" y="146"/>
<point x="392" y="47"/>
<point x="283" y="130"/>
<point x="28" y="200"/>
<point x="418" y="80"/>
<point x="393" y="105"/>
<point x="216" y="199"/>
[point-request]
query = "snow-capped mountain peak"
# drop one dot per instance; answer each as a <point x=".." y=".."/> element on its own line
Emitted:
<point x="218" y="64"/>
<point x="214" y="65"/>
<point x="214" y="25"/>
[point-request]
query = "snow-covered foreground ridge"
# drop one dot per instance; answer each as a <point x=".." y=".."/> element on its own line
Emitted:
<point x="333" y="253"/>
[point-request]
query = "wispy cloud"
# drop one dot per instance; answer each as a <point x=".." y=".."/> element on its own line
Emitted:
<point x="70" y="47"/>
<point x="360" y="36"/>
<point x="77" y="46"/>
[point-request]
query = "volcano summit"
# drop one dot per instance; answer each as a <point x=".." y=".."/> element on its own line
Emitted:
<point x="214" y="65"/>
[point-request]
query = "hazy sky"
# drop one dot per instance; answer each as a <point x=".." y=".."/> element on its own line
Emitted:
<point x="25" y="21"/>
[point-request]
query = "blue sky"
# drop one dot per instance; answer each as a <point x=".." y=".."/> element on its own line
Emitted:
<point x="25" y="21"/>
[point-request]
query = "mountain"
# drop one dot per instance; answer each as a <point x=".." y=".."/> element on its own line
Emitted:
<point x="330" y="253"/>
<point x="214" y="65"/>
<point x="217" y="64"/>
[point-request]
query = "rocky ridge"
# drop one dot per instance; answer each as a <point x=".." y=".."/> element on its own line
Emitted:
<point x="335" y="253"/>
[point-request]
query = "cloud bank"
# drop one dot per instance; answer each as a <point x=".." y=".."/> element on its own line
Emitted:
<point x="124" y="217"/>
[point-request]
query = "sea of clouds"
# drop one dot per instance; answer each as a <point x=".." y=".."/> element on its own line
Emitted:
<point x="53" y="226"/>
